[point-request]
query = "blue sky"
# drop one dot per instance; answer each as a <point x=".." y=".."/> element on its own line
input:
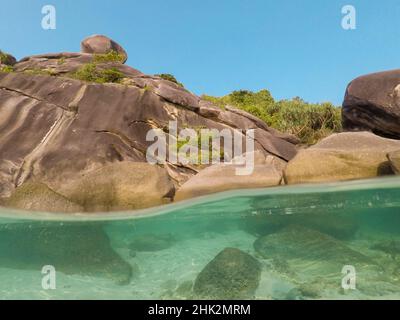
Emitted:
<point x="291" y="47"/>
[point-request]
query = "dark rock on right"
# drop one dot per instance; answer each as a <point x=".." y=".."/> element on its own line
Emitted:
<point x="232" y="274"/>
<point x="372" y="103"/>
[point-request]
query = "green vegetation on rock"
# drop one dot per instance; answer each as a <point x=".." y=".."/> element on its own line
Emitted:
<point x="169" y="77"/>
<point x="111" y="56"/>
<point x="7" y="69"/>
<point x="308" y="121"/>
<point x="92" y="73"/>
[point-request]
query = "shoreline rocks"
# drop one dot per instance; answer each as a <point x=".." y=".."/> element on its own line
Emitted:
<point x="343" y="156"/>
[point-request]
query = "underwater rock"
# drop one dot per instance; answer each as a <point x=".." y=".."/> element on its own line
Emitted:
<point x="150" y="242"/>
<point x="391" y="247"/>
<point x="297" y="242"/>
<point x="394" y="158"/>
<point x="337" y="226"/>
<point x="71" y="248"/>
<point x="34" y="196"/>
<point x="316" y="262"/>
<point x="232" y="274"/>
<point x="342" y="156"/>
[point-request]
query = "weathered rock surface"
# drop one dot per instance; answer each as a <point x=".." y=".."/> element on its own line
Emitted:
<point x="120" y="186"/>
<point x="223" y="177"/>
<point x="39" y="197"/>
<point x="232" y="274"/>
<point x="57" y="130"/>
<point x="101" y="44"/>
<point x="343" y="156"/>
<point x="72" y="249"/>
<point x="372" y="103"/>
<point x="394" y="158"/>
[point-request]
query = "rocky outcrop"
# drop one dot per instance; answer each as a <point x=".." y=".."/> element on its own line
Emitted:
<point x="343" y="156"/>
<point x="101" y="44"/>
<point x="232" y="274"/>
<point x="76" y="249"/>
<point x="394" y="158"/>
<point x="267" y="172"/>
<point x="57" y="130"/>
<point x="372" y="103"/>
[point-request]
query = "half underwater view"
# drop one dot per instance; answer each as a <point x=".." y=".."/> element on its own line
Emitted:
<point x="284" y="243"/>
<point x="173" y="151"/>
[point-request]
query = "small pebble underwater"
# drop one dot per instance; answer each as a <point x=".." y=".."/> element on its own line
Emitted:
<point x="331" y="241"/>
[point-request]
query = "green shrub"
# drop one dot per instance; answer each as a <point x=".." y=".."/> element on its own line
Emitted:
<point x="111" y="56"/>
<point x="5" y="59"/>
<point x="310" y="122"/>
<point x="169" y="77"/>
<point x="91" y="73"/>
<point x="7" y="69"/>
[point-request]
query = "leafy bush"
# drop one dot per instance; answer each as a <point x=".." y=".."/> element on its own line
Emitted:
<point x="111" y="56"/>
<point x="91" y="73"/>
<point x="5" y="58"/>
<point x="169" y="77"/>
<point x="310" y="122"/>
<point x="7" y="69"/>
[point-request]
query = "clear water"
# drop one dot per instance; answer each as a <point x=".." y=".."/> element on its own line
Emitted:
<point x="304" y="237"/>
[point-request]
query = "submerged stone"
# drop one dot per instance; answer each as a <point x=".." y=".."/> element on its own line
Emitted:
<point x="337" y="226"/>
<point x="391" y="247"/>
<point x="297" y="242"/>
<point x="150" y="242"/>
<point x="70" y="248"/>
<point x="232" y="274"/>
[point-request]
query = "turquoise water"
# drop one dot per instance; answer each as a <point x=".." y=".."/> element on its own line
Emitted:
<point x="300" y="237"/>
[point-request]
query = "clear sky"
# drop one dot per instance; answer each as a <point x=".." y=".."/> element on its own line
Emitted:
<point x="291" y="47"/>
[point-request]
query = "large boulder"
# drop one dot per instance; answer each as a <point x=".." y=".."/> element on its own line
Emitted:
<point x="223" y="177"/>
<point x="372" y="103"/>
<point x="99" y="44"/>
<point x="60" y="131"/>
<point x="39" y="197"/>
<point x="394" y="158"/>
<point x="343" y="156"/>
<point x="120" y="186"/>
<point x="232" y="274"/>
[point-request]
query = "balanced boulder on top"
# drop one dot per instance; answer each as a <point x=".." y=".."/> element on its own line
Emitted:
<point x="101" y="44"/>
